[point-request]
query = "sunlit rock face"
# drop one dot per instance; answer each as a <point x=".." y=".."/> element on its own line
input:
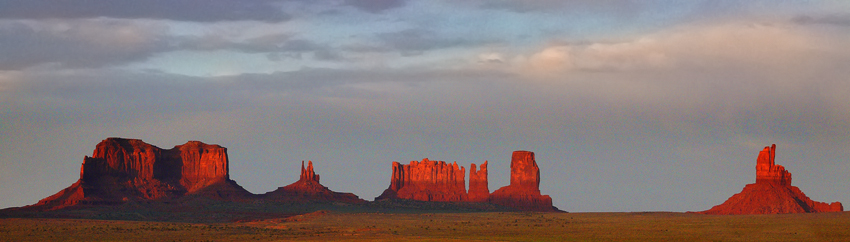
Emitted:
<point x="524" y="191"/>
<point x="478" y="187"/>
<point x="121" y="170"/>
<point x="308" y="189"/>
<point x="427" y="181"/>
<point x="772" y="193"/>
<point x="767" y="171"/>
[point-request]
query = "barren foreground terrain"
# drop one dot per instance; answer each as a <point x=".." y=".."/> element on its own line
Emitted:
<point x="499" y="226"/>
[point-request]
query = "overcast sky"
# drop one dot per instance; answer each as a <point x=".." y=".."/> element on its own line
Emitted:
<point x="628" y="105"/>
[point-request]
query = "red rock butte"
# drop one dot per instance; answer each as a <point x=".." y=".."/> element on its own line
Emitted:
<point x="308" y="189"/>
<point x="443" y="182"/>
<point x="120" y="170"/>
<point x="524" y="191"/>
<point x="772" y="193"/>
<point x="427" y="181"/>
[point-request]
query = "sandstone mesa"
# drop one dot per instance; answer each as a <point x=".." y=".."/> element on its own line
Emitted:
<point x="772" y="193"/>
<point x="439" y="181"/>
<point x="121" y="170"/>
<point x="427" y="180"/>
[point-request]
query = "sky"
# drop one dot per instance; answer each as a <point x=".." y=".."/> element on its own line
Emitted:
<point x="628" y="105"/>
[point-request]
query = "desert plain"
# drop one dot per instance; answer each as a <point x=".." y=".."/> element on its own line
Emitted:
<point x="326" y="225"/>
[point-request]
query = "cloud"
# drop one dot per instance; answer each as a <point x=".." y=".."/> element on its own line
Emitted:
<point x="415" y="41"/>
<point x="375" y="6"/>
<point x="82" y="43"/>
<point x="614" y="6"/>
<point x="94" y="43"/>
<point x="730" y="46"/>
<point x="842" y="20"/>
<point x="179" y="10"/>
<point x="275" y="46"/>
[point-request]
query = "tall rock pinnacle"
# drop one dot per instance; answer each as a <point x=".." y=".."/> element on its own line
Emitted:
<point x="524" y="191"/>
<point x="478" y="187"/>
<point x="772" y="193"/>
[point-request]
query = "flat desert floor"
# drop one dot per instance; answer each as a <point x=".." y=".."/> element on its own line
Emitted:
<point x="498" y="226"/>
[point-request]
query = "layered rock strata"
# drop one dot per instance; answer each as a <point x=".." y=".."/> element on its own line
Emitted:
<point x="121" y="170"/>
<point x="524" y="191"/>
<point x="308" y="188"/>
<point x="772" y="193"/>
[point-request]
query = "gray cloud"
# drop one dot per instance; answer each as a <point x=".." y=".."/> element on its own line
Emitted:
<point x="97" y="43"/>
<point x="375" y="6"/>
<point x="180" y="10"/>
<point x="275" y="46"/>
<point x="111" y="42"/>
<point x="415" y="41"/>
<point x="627" y="7"/>
<point x="835" y="19"/>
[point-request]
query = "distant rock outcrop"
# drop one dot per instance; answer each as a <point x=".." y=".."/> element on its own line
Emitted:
<point x="427" y="181"/>
<point x="772" y="193"/>
<point x="478" y="187"/>
<point x="524" y="191"/>
<point x="120" y="170"/>
<point x="308" y="188"/>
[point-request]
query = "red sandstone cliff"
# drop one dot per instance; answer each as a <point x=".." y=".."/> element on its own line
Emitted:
<point x="308" y="188"/>
<point x="120" y="170"/>
<point x="772" y="193"/>
<point x="478" y="187"/>
<point x="427" y="181"/>
<point x="524" y="192"/>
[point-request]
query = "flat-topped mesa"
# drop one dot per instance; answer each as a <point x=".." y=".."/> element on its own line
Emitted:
<point x="478" y="187"/>
<point x="524" y="192"/>
<point x="130" y="169"/>
<point x="768" y="171"/>
<point x="201" y="165"/>
<point x="308" y="189"/>
<point x="772" y="193"/>
<point x="427" y="181"/>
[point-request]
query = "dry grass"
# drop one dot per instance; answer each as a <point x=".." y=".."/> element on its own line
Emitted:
<point x="323" y="226"/>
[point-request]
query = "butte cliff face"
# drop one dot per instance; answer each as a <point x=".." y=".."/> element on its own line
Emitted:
<point x="478" y="187"/>
<point x="308" y="188"/>
<point x="427" y="181"/>
<point x="120" y="170"/>
<point x="772" y="193"/>
<point x="524" y="191"/>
